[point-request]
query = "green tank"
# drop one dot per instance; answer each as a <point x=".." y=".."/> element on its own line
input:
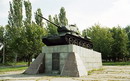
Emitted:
<point x="66" y="35"/>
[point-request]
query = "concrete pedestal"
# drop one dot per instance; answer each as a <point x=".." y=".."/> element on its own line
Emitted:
<point x="66" y="60"/>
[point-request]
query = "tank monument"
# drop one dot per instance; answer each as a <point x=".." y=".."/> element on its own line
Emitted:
<point x="66" y="54"/>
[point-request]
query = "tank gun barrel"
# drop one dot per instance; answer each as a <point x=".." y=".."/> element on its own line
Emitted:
<point x="49" y="21"/>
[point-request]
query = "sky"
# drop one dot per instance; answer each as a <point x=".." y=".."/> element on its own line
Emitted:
<point x="83" y="13"/>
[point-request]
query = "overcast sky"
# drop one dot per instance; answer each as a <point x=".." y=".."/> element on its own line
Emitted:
<point x="84" y="13"/>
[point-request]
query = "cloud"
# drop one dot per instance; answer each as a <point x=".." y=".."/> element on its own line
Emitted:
<point x="105" y="12"/>
<point x="5" y="1"/>
<point x="4" y="11"/>
<point x="118" y="15"/>
<point x="84" y="13"/>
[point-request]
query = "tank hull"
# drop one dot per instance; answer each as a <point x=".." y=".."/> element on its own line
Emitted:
<point x="52" y="41"/>
<point x="67" y="39"/>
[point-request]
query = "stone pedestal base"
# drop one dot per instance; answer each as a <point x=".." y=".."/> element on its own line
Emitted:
<point x="66" y="60"/>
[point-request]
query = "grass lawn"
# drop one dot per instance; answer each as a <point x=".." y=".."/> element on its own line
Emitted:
<point x="13" y="64"/>
<point x="15" y="68"/>
<point x="116" y="63"/>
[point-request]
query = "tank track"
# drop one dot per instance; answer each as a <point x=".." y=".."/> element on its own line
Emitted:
<point x="68" y="39"/>
<point x="71" y="39"/>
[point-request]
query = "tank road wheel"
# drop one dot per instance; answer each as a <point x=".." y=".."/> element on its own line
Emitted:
<point x="84" y="45"/>
<point x="70" y="40"/>
<point x="80" y="43"/>
<point x="89" y="46"/>
<point x="76" y="42"/>
<point x="67" y="39"/>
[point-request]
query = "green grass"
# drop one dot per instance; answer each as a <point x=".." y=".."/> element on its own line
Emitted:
<point x="13" y="64"/>
<point x="7" y="69"/>
<point x="19" y="63"/>
<point x="91" y="71"/>
<point x="116" y="63"/>
<point x="13" y="67"/>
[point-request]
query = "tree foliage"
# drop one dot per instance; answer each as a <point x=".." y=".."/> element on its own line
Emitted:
<point x="20" y="36"/>
<point x="32" y="41"/>
<point x="1" y="40"/>
<point x="28" y="10"/>
<point x="15" y="13"/>
<point x="101" y="39"/>
<point x="60" y="20"/>
<point x="119" y="45"/>
<point x="52" y="29"/>
<point x="112" y="43"/>
<point x="37" y="18"/>
<point x="62" y="17"/>
<point x="1" y="34"/>
<point x="15" y="26"/>
<point x="32" y="34"/>
<point x="127" y="29"/>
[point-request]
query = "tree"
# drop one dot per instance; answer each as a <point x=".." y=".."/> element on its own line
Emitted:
<point x="101" y="39"/>
<point x="28" y="10"/>
<point x="13" y="42"/>
<point x="15" y="25"/>
<point x="51" y="28"/>
<point x="1" y="34"/>
<point x="28" y="35"/>
<point x="2" y="55"/>
<point x="56" y="20"/>
<point x="119" y="46"/>
<point x="15" y="14"/>
<point x="32" y="41"/>
<point x="33" y="33"/>
<point x="62" y="17"/>
<point x="59" y="20"/>
<point x="127" y="29"/>
<point x="38" y="19"/>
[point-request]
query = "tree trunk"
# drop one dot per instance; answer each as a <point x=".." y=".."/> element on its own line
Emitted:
<point x="29" y="60"/>
<point x="15" y="60"/>
<point x="3" y="54"/>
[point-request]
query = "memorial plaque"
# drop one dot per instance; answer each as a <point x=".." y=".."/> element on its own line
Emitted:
<point x="55" y="61"/>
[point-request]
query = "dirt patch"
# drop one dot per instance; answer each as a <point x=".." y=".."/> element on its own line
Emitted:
<point x="109" y="73"/>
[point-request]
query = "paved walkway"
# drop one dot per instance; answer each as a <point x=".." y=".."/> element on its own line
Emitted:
<point x="109" y="73"/>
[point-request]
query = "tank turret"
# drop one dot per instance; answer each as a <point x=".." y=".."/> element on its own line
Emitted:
<point x="66" y="35"/>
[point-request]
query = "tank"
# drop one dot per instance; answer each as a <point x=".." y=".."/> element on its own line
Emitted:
<point x="66" y="35"/>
